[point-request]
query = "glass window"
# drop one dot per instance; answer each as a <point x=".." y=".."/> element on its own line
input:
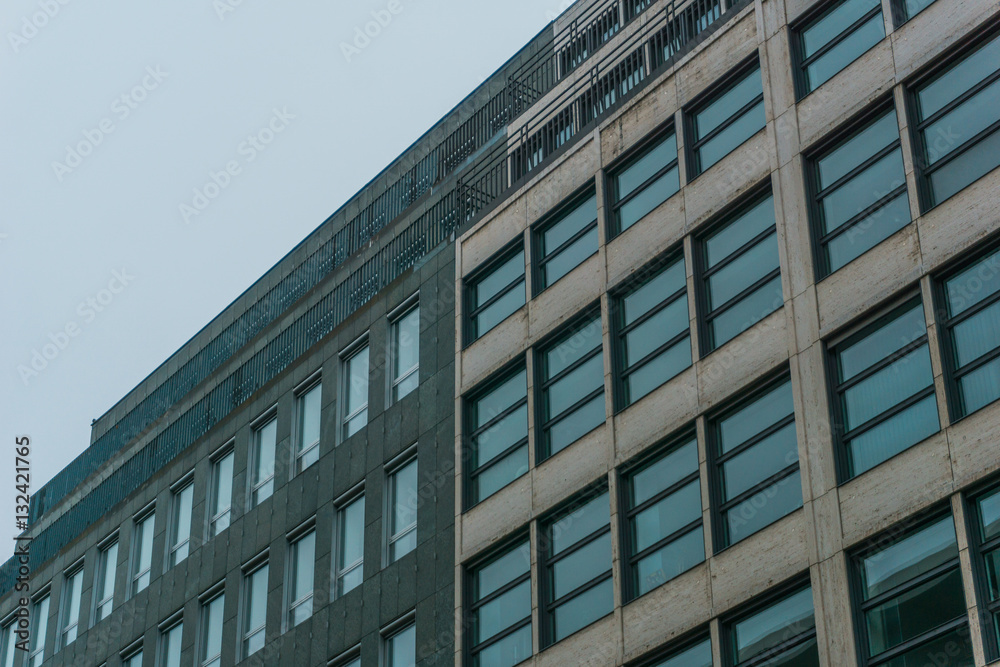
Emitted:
<point x="572" y="389"/>
<point x="405" y="353"/>
<point x="781" y="634"/>
<point x="985" y="538"/>
<point x="972" y="333"/>
<point x="104" y="581"/>
<point x="694" y="654"/>
<point x="653" y="330"/>
<point x="904" y="10"/>
<point x="180" y="524"/>
<point x="756" y="463"/>
<point x="350" y="545"/>
<point x="740" y="273"/>
<point x="495" y="293"/>
<point x="836" y="38"/>
<point x="401" y="648"/>
<point x="498" y="435"/>
<point x="500" y="610"/>
<point x="210" y="652"/>
<point x="727" y="119"/>
<point x="403" y="501"/>
<point x="301" y="573"/>
<point x="170" y="646"/>
<point x="885" y="399"/>
<point x="643" y="182"/>
<point x="262" y="475"/>
<point x="576" y="568"/>
<point x="69" y="619"/>
<point x="664" y="534"/>
<point x="133" y="660"/>
<point x="859" y="192"/>
<point x="565" y="239"/>
<point x="308" y="410"/>
<point x="39" y="628"/>
<point x="254" y="610"/>
<point x="912" y="601"/>
<point x="356" y="391"/>
<point x="222" y="494"/>
<point x="8" y="644"/>
<point x="957" y="129"/>
<point x="142" y="552"/>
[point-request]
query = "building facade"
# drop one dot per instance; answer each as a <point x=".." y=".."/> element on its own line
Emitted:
<point x="674" y="344"/>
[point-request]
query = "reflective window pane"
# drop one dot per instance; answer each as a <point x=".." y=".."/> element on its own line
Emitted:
<point x="558" y="252"/>
<point x="262" y="477"/>
<point x="501" y="591"/>
<point x="170" y="646"/>
<point x="401" y="648"/>
<point x="403" y="504"/>
<point x="104" y="582"/>
<point x="356" y="392"/>
<point x="142" y="552"/>
<point x="254" y="610"/>
<point x="222" y="494"/>
<point x="572" y="393"/>
<point x="302" y="565"/>
<point x="497" y="294"/>
<point x="699" y="655"/>
<point x="307" y="433"/>
<point x="645" y="182"/>
<point x="774" y="625"/>
<point x="350" y="545"/>
<point x="834" y="40"/>
<point x="728" y="119"/>
<point x="210" y="651"/>
<point x="180" y="524"/>
<point x="499" y="421"/>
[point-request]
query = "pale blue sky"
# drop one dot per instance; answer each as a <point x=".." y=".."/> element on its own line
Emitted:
<point x="96" y="256"/>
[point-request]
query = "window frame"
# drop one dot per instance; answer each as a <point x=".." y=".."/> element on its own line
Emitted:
<point x="347" y="658"/>
<point x="346" y="356"/>
<point x="508" y="545"/>
<point x="391" y="469"/>
<point x="393" y="630"/>
<point x="674" y="648"/>
<point x="176" y="621"/>
<point x="135" y="551"/>
<point x="619" y="330"/>
<point x="745" y="203"/>
<point x="628" y="560"/>
<point x="340" y="569"/>
<point x="8" y="640"/>
<point x="800" y="25"/>
<point x="469" y="433"/>
<point x="989" y="611"/>
<point x="255" y="565"/>
<point x="214" y="593"/>
<point x="474" y="277"/>
<point x="228" y="449"/>
<point x="294" y="541"/>
<point x="70" y="573"/>
<point x="899" y="13"/>
<point x="256" y="428"/>
<point x="395" y="317"/>
<point x="564" y="333"/>
<point x="552" y="217"/>
<point x="130" y="652"/>
<point x="869" y="323"/>
<point x="546" y="607"/>
<point x="743" y="398"/>
<point x="185" y="483"/>
<point x="951" y="58"/>
<point x="300" y="449"/>
<point x="646" y="145"/>
<point x="908" y="527"/>
<point x="38" y="652"/>
<point x="716" y="90"/>
<point x="815" y="195"/>
<point x="945" y="325"/>
<point x="103" y="558"/>
<point x="761" y="602"/>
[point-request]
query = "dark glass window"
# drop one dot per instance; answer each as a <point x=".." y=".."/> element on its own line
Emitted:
<point x="985" y="511"/>
<point x="653" y="330"/>
<point x="566" y="239"/>
<point x="495" y="293"/>
<point x="694" y="654"/>
<point x="884" y="388"/>
<point x="740" y="273"/>
<point x="911" y="603"/>
<point x="972" y="334"/>
<point x="576" y="568"/>
<point x="572" y="387"/>
<point x="859" y="192"/>
<point x="836" y="38"/>
<point x="958" y="123"/>
<point x="663" y="521"/>
<point x="756" y="463"/>
<point x="643" y="182"/>
<point x="727" y="119"/>
<point x="781" y="633"/>
<point x="500" y="609"/>
<point x="904" y="10"/>
<point x="635" y="7"/>
<point x="498" y="435"/>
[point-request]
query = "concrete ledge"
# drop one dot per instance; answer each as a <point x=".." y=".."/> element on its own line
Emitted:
<point x="689" y="601"/>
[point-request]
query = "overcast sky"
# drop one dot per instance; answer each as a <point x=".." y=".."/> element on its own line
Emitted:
<point x="114" y="114"/>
